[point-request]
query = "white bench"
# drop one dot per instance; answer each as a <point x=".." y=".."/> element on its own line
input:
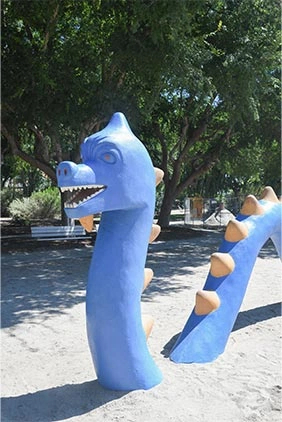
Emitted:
<point x="57" y="232"/>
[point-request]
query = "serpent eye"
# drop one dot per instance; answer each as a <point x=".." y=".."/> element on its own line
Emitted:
<point x="108" y="157"/>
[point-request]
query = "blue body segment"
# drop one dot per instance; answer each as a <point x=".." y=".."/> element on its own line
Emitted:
<point x="117" y="179"/>
<point x="204" y="337"/>
<point x="116" y="162"/>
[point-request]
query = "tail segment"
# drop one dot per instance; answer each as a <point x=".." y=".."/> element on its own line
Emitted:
<point x="207" y="330"/>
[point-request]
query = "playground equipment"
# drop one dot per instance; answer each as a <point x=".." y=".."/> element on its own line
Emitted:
<point x="118" y="179"/>
<point x="206" y="332"/>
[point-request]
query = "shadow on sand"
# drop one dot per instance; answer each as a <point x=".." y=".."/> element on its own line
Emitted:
<point x="42" y="283"/>
<point x="46" y="283"/>
<point x="253" y="316"/>
<point x="244" y="319"/>
<point x="57" y="403"/>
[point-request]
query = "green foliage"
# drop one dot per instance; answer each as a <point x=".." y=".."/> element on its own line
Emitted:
<point x="244" y="171"/>
<point x="81" y="60"/>
<point x="198" y="80"/>
<point x="70" y="65"/>
<point x="40" y="205"/>
<point x="7" y="195"/>
<point x="17" y="172"/>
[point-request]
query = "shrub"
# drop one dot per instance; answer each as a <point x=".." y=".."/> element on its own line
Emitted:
<point x="7" y="195"/>
<point x="40" y="205"/>
<point x="47" y="204"/>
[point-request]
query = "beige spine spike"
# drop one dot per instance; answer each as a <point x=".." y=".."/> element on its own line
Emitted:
<point x="235" y="231"/>
<point x="87" y="223"/>
<point x="251" y="206"/>
<point x="156" y="229"/>
<point x="268" y="194"/>
<point x="221" y="264"/>
<point x="147" y="322"/>
<point x="159" y="175"/>
<point x="207" y="301"/>
<point x="148" y="275"/>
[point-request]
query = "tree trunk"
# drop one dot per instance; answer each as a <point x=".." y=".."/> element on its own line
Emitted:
<point x="166" y="207"/>
<point x="64" y="218"/>
<point x="173" y="186"/>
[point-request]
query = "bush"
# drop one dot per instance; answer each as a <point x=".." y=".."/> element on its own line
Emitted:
<point x="7" y="195"/>
<point x="40" y="205"/>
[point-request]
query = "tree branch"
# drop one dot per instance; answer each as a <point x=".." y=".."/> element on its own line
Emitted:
<point x="41" y="151"/>
<point x="50" y="27"/>
<point x="34" y="162"/>
<point x="182" y="137"/>
<point x="196" y="134"/>
<point x="164" y="163"/>
<point x="37" y="132"/>
<point x="208" y="161"/>
<point x="90" y="126"/>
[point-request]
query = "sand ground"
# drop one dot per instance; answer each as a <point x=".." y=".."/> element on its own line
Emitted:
<point x="47" y="372"/>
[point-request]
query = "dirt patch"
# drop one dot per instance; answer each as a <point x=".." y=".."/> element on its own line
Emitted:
<point x="48" y="373"/>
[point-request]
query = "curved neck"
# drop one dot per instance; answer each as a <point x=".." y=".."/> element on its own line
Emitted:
<point x="121" y="245"/>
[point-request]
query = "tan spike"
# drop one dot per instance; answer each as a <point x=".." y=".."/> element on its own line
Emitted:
<point x="207" y="301"/>
<point x="159" y="175"/>
<point x="251" y="206"/>
<point x="221" y="264"/>
<point x="156" y="229"/>
<point x="87" y="223"/>
<point x="148" y="275"/>
<point x="268" y="194"/>
<point x="147" y="322"/>
<point x="235" y="231"/>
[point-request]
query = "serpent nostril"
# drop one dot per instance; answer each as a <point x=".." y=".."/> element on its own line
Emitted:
<point x="59" y="172"/>
<point x="65" y="172"/>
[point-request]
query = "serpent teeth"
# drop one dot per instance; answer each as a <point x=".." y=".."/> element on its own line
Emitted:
<point x="81" y="194"/>
<point x="80" y="187"/>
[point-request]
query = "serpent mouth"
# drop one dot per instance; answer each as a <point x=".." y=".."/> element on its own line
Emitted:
<point x="80" y="194"/>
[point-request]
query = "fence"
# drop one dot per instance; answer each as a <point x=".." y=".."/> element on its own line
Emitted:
<point x="209" y="211"/>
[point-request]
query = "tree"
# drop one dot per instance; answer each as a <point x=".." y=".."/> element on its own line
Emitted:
<point x="212" y="107"/>
<point x="68" y="66"/>
<point x="188" y="74"/>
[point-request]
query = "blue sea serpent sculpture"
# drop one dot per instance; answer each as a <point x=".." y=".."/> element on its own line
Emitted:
<point x="117" y="178"/>
<point x="207" y="330"/>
